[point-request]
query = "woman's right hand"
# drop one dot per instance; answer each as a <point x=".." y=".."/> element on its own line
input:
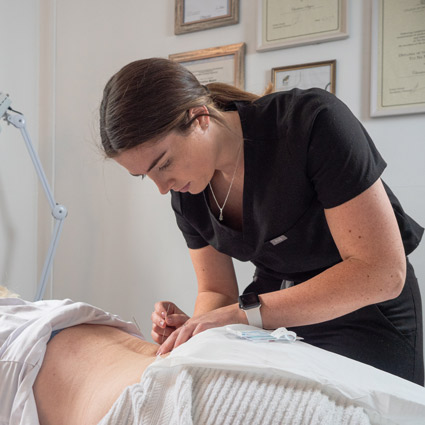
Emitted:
<point x="166" y="318"/>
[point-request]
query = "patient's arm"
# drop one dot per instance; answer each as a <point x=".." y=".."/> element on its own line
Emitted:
<point x="84" y="371"/>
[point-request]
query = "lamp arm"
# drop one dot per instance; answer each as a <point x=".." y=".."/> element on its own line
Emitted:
<point x="18" y="120"/>
<point x="49" y="259"/>
<point x="59" y="212"/>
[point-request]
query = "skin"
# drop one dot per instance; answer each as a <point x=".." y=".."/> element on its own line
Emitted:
<point x="84" y="371"/>
<point x="184" y="160"/>
<point x="364" y="229"/>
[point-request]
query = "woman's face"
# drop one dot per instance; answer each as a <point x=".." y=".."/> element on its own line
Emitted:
<point x="184" y="163"/>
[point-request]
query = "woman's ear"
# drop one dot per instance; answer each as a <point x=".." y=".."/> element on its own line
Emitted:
<point x="202" y="116"/>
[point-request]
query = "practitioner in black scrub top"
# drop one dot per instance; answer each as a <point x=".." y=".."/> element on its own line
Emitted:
<point x="289" y="181"/>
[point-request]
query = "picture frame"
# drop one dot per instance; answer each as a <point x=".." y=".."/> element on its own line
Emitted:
<point x="225" y="64"/>
<point x="397" y="58"/>
<point x="305" y="76"/>
<point x="198" y="15"/>
<point x="289" y="23"/>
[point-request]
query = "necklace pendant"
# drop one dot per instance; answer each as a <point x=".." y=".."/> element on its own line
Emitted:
<point x="220" y="217"/>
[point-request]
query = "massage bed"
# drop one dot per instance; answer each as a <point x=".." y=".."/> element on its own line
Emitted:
<point x="214" y="378"/>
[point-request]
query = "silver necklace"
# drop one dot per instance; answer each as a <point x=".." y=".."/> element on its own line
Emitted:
<point x="220" y="217"/>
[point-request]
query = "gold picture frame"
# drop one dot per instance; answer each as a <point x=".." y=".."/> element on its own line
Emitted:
<point x="397" y="58"/>
<point x="224" y="64"/>
<point x="195" y="15"/>
<point x="305" y="76"/>
<point x="283" y="24"/>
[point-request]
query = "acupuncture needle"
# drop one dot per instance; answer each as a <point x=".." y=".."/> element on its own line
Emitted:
<point x="166" y="315"/>
<point x="135" y="322"/>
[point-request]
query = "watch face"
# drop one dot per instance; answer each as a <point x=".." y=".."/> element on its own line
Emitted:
<point x="249" y="300"/>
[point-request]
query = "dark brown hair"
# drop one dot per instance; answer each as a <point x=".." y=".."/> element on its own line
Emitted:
<point x="149" y="98"/>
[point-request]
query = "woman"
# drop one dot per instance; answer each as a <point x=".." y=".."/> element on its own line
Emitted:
<point x="289" y="181"/>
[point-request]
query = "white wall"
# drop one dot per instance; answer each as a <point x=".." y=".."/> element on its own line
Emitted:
<point x="19" y="35"/>
<point x="120" y="248"/>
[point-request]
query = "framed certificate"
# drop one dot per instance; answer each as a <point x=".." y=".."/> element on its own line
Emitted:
<point x="291" y="23"/>
<point x="306" y="76"/>
<point x="398" y="57"/>
<point x="198" y="15"/>
<point x="217" y="64"/>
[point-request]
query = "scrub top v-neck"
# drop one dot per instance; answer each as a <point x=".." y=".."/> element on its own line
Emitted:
<point x="304" y="151"/>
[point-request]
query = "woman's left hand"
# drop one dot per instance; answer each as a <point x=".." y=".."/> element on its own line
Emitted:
<point x="195" y="325"/>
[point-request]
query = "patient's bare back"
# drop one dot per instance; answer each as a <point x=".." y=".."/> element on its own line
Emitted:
<point x="85" y="369"/>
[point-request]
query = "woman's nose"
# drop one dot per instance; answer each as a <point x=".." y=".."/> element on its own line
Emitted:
<point x="164" y="186"/>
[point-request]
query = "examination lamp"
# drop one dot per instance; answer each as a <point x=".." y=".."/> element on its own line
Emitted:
<point x="59" y="212"/>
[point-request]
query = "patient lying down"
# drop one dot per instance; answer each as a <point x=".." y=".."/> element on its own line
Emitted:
<point x="85" y="369"/>
<point x="98" y="369"/>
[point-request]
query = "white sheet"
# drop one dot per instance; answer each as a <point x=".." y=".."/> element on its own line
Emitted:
<point x="25" y="328"/>
<point x="386" y="398"/>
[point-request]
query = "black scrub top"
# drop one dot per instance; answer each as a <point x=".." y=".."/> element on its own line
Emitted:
<point x="304" y="151"/>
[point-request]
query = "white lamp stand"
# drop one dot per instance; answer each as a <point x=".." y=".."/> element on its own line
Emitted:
<point x="59" y="212"/>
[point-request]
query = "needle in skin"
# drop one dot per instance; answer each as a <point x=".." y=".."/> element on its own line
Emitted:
<point x="135" y="322"/>
<point x="163" y="333"/>
<point x="165" y="318"/>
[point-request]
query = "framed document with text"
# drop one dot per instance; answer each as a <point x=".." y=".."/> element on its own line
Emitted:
<point x="225" y="64"/>
<point x="291" y="23"/>
<point x="398" y="57"/>
<point x="306" y="76"/>
<point x="198" y="15"/>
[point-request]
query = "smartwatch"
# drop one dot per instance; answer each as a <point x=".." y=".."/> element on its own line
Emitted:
<point x="250" y="304"/>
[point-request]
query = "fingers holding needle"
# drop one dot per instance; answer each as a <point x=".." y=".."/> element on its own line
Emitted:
<point x="165" y="327"/>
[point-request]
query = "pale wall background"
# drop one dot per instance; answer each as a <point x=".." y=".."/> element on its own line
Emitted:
<point x="19" y="73"/>
<point x="120" y="248"/>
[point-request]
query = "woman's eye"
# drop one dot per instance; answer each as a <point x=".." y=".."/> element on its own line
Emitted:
<point x="165" y="165"/>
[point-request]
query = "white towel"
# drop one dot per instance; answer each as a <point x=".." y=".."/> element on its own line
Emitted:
<point x="196" y="395"/>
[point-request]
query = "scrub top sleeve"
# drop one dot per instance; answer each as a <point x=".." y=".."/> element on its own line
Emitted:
<point x="342" y="160"/>
<point x="193" y="239"/>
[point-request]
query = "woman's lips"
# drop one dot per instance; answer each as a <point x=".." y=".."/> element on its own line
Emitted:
<point x="185" y="188"/>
